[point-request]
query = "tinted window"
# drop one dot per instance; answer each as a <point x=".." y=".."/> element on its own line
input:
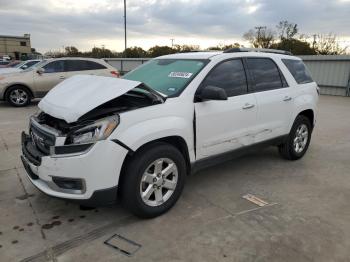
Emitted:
<point x="298" y="70"/>
<point x="54" y="67"/>
<point x="265" y="73"/>
<point x="94" y="66"/>
<point x="229" y="75"/>
<point x="82" y="65"/>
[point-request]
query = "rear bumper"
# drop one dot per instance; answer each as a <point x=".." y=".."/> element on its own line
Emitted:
<point x="97" y="170"/>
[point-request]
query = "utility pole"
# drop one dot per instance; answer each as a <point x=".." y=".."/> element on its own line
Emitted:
<point x="259" y="28"/>
<point x="125" y="27"/>
<point x="172" y="42"/>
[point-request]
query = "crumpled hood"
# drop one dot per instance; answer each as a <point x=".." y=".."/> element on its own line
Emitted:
<point x="79" y="94"/>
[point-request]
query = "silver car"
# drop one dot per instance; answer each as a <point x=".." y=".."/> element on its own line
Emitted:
<point x="19" y="88"/>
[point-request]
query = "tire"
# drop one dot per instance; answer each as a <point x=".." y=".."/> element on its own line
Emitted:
<point x="18" y="96"/>
<point x="157" y="196"/>
<point x="298" y="139"/>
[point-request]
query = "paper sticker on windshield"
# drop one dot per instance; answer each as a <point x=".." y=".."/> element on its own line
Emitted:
<point x="180" y="74"/>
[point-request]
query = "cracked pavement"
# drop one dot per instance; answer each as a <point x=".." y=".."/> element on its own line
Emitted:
<point x="307" y="218"/>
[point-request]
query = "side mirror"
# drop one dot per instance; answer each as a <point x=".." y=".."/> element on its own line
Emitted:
<point x="40" y="71"/>
<point x="212" y="93"/>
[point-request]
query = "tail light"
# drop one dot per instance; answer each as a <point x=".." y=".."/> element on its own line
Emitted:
<point x="115" y="73"/>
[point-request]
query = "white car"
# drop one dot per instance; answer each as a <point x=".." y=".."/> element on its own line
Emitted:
<point x="18" y="68"/>
<point x="97" y="139"/>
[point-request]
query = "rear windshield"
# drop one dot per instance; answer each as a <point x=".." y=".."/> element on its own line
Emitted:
<point x="167" y="76"/>
<point x="299" y="71"/>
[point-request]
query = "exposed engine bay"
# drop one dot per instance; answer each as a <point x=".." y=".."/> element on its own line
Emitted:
<point x="134" y="99"/>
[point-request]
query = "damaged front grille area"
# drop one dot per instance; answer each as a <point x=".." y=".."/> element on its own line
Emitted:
<point x="42" y="139"/>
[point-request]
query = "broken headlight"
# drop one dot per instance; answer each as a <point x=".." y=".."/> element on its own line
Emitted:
<point x="99" y="130"/>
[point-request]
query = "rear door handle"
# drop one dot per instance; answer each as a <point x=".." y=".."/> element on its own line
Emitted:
<point x="248" y="106"/>
<point x="287" y="98"/>
<point x="62" y="77"/>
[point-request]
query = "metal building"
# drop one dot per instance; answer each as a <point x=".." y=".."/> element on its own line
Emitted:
<point x="331" y="72"/>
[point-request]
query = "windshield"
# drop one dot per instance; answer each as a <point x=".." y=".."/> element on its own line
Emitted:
<point x="167" y="76"/>
<point x="37" y="65"/>
<point x="20" y="64"/>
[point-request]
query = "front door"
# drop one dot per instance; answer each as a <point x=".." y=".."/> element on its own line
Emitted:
<point x="225" y="125"/>
<point x="54" y="73"/>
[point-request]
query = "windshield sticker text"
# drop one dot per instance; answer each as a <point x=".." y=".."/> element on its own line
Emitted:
<point x="180" y="74"/>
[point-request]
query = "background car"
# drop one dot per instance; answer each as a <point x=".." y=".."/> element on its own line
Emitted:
<point x="4" y="63"/>
<point x="19" y="67"/>
<point x="20" y="87"/>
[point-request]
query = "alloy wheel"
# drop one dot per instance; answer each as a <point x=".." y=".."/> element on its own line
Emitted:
<point x="301" y="138"/>
<point x="18" y="97"/>
<point x="158" y="182"/>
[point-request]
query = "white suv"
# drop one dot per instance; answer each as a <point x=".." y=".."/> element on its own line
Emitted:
<point x="97" y="139"/>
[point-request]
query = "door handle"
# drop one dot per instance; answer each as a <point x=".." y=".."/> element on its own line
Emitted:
<point x="62" y="77"/>
<point x="287" y="98"/>
<point x="248" y="106"/>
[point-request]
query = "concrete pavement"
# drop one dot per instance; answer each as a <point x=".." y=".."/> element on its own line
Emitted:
<point x="307" y="218"/>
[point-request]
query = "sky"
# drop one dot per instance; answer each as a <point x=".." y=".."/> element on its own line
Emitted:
<point x="54" y="24"/>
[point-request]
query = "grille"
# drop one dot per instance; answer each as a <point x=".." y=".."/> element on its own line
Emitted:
<point x="42" y="139"/>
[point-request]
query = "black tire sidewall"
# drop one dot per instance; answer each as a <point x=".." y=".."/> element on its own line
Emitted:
<point x="300" y="120"/>
<point x="8" y="92"/>
<point x="131" y="197"/>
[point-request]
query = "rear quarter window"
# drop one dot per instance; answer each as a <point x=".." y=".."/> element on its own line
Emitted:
<point x="298" y="70"/>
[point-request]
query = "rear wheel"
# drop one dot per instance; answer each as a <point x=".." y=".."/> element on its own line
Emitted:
<point x="18" y="96"/>
<point x="298" y="139"/>
<point x="154" y="180"/>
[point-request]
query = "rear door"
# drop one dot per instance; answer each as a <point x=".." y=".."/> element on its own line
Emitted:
<point x="274" y="98"/>
<point x="54" y="73"/>
<point x="225" y="125"/>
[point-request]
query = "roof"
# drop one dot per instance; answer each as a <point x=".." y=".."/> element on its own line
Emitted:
<point x="216" y="54"/>
<point x="15" y="37"/>
<point x="190" y="55"/>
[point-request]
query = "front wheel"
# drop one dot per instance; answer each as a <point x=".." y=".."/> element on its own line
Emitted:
<point x="298" y="139"/>
<point x="18" y="96"/>
<point x="153" y="181"/>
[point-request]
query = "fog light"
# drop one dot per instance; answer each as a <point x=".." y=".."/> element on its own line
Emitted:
<point x="69" y="183"/>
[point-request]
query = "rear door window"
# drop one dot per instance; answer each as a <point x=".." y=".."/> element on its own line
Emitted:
<point x="90" y="65"/>
<point x="266" y="74"/>
<point x="82" y="65"/>
<point x="229" y="75"/>
<point x="298" y="70"/>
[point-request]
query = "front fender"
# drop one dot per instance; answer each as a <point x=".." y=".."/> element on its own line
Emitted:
<point x="140" y="133"/>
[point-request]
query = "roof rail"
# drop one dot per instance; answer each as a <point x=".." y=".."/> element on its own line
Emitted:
<point x="262" y="50"/>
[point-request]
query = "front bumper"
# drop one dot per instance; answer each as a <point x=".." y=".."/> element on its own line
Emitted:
<point x="98" y="168"/>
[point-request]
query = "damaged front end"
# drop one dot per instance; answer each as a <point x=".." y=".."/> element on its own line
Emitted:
<point x="71" y="125"/>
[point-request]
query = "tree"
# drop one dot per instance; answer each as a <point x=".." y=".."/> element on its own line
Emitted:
<point x="161" y="50"/>
<point x="261" y="37"/>
<point x="135" y="52"/>
<point x="72" y="51"/>
<point x="328" y="45"/>
<point x="295" y="46"/>
<point x="186" y="48"/>
<point x="222" y="47"/>
<point x="286" y="30"/>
